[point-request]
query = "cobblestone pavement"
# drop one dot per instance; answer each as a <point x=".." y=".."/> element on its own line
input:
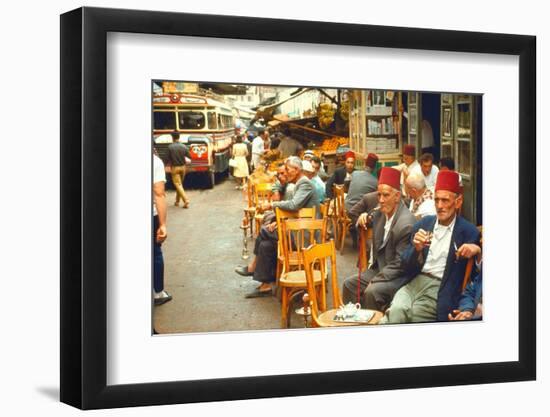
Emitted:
<point x="203" y="247"/>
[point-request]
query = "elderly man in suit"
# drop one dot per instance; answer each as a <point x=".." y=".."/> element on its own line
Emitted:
<point x="263" y="267"/>
<point x="436" y="259"/>
<point x="392" y="225"/>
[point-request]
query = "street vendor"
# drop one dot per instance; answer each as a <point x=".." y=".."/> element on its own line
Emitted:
<point x="288" y="145"/>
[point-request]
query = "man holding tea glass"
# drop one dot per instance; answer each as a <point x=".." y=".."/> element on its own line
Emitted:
<point x="436" y="259"/>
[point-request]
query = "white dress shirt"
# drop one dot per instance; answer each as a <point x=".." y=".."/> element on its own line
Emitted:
<point x="439" y="249"/>
<point x="257" y="150"/>
<point x="430" y="179"/>
<point x="387" y="226"/>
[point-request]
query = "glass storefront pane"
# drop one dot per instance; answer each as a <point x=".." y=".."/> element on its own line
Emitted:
<point x="412" y="120"/>
<point x="463" y="126"/>
<point x="464" y="161"/>
<point x="446" y="98"/>
<point x="446" y="150"/>
<point x="447" y="125"/>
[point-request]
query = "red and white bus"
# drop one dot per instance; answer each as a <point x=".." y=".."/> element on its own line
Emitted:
<point x="205" y="125"/>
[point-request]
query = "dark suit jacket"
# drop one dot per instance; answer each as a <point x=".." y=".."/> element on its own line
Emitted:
<point x="338" y="177"/>
<point x="366" y="205"/>
<point x="451" y="283"/>
<point x="387" y="253"/>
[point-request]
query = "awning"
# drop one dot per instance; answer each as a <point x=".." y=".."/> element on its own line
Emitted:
<point x="233" y="89"/>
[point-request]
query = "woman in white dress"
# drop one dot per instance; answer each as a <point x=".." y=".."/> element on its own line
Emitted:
<point x="239" y="154"/>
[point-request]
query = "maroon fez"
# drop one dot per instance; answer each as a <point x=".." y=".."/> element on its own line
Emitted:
<point x="350" y="154"/>
<point x="447" y="181"/>
<point x="409" y="150"/>
<point x="391" y="177"/>
<point x="371" y="160"/>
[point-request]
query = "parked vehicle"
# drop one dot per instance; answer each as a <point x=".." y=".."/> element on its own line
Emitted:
<point x="207" y="126"/>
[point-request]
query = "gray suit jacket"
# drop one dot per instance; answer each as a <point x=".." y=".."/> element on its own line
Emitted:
<point x="362" y="182"/>
<point x="387" y="254"/>
<point x="304" y="197"/>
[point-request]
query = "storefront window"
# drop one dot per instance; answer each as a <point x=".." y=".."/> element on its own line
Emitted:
<point x="464" y="161"/>
<point x="446" y="150"/>
<point x="463" y="127"/>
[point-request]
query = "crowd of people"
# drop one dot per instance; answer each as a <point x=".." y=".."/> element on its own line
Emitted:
<point x="420" y="246"/>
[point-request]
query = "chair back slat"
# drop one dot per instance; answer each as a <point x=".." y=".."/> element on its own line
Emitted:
<point x="319" y="255"/>
<point x="300" y="233"/>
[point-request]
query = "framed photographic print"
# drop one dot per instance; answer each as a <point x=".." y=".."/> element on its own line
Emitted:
<point x="189" y="180"/>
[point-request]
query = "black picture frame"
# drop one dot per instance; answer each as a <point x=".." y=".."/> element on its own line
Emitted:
<point x="84" y="207"/>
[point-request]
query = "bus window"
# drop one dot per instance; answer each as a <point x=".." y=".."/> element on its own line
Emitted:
<point x="164" y="120"/>
<point x="229" y="121"/>
<point x="212" y="121"/>
<point x="191" y="120"/>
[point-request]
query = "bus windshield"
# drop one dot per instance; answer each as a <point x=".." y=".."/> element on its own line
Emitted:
<point x="191" y="120"/>
<point x="164" y="120"/>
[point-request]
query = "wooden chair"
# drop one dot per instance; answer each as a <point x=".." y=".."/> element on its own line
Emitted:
<point x="331" y="214"/>
<point x="262" y="194"/>
<point x="297" y="234"/>
<point x="343" y="222"/>
<point x="250" y="210"/>
<point x="324" y="208"/>
<point x="281" y="216"/>
<point x="319" y="255"/>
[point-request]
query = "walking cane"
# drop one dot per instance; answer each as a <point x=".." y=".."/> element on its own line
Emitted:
<point x="362" y="261"/>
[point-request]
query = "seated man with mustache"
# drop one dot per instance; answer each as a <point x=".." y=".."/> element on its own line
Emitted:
<point x="436" y="259"/>
<point x="392" y="225"/>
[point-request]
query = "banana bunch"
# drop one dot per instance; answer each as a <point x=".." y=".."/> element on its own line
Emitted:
<point x="325" y="114"/>
<point x="344" y="110"/>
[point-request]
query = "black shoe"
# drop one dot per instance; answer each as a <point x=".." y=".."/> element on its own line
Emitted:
<point x="243" y="270"/>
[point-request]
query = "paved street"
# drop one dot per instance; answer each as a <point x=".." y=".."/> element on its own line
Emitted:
<point x="203" y="247"/>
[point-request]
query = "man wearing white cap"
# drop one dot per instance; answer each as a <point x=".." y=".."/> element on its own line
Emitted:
<point x="310" y="156"/>
<point x="309" y="171"/>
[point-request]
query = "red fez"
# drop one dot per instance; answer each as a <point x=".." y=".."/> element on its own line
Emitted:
<point x="350" y="154"/>
<point x="391" y="177"/>
<point x="447" y="181"/>
<point x="409" y="150"/>
<point x="371" y="160"/>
